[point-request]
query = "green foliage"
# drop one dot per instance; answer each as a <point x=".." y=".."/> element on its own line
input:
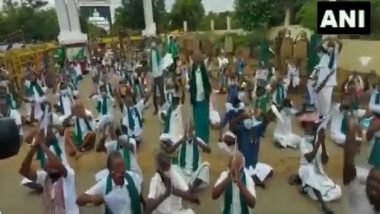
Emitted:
<point x="256" y="14"/>
<point x="30" y="22"/>
<point x="131" y="15"/>
<point x="308" y="15"/>
<point x="191" y="11"/>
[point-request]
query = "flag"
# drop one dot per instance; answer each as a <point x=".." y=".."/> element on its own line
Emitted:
<point x="80" y="55"/>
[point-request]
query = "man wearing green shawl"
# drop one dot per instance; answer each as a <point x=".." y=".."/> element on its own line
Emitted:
<point x="190" y="167"/>
<point x="119" y="141"/>
<point x="119" y="183"/>
<point x="339" y="122"/>
<point x="236" y="187"/>
<point x="168" y="189"/>
<point x="172" y="48"/>
<point x="200" y="91"/>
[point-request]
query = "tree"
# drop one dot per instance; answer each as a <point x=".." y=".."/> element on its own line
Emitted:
<point x="255" y="14"/>
<point x="29" y="21"/>
<point x="308" y="15"/>
<point x="131" y="15"/>
<point x="191" y="11"/>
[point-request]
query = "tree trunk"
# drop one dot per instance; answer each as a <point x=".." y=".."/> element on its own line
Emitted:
<point x="287" y="17"/>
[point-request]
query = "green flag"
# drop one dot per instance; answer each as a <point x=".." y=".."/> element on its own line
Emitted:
<point x="60" y="56"/>
<point x="80" y="55"/>
<point x="264" y="52"/>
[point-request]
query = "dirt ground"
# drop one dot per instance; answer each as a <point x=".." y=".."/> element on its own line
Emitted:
<point x="278" y="197"/>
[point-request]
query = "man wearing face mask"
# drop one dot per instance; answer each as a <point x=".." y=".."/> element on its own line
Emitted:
<point x="58" y="180"/>
<point x="156" y="75"/>
<point x="118" y="184"/>
<point x="236" y="186"/>
<point x="326" y="75"/>
<point x="362" y="183"/>
<point x="248" y="132"/>
<point x="167" y="189"/>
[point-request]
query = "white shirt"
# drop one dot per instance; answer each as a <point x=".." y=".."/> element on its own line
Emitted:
<point x="199" y="85"/>
<point x="172" y="203"/>
<point x="112" y="146"/>
<point x="235" y="206"/>
<point x="100" y="188"/>
<point x="110" y="101"/>
<point x="357" y="198"/>
<point x="83" y="126"/>
<point x="324" y="71"/>
<point x="69" y="191"/>
<point x="125" y="121"/>
<point x="156" y="71"/>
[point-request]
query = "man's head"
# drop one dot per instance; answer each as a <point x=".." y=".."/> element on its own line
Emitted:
<point x="373" y="188"/>
<point x="153" y="44"/>
<point x="236" y="162"/>
<point x="163" y="163"/>
<point x="116" y="167"/>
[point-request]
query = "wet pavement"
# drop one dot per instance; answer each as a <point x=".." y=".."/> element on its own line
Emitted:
<point x="278" y="197"/>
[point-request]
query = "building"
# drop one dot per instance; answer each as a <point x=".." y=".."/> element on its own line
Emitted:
<point x="105" y="8"/>
<point x="99" y="21"/>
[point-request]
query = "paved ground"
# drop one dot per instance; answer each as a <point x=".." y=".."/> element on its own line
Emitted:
<point x="278" y="197"/>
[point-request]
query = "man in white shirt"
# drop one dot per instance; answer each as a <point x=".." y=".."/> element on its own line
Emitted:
<point x="58" y="180"/>
<point x="118" y="184"/>
<point x="236" y="186"/>
<point x="326" y="79"/>
<point x="156" y="75"/>
<point x="167" y="189"/>
<point x="362" y="185"/>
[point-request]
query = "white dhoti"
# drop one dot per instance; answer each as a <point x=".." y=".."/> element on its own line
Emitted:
<point x="319" y="181"/>
<point x="102" y="120"/>
<point x="261" y="171"/>
<point x="202" y="173"/>
<point x="323" y="101"/>
<point x="338" y="137"/>
<point x="289" y="140"/>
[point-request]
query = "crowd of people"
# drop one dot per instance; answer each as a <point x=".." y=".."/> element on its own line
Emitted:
<point x="126" y="84"/>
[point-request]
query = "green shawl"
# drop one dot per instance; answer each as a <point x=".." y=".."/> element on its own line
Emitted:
<point x="37" y="87"/>
<point x="313" y="58"/>
<point x="344" y="125"/>
<point x="374" y="157"/>
<point x="133" y="194"/>
<point x="78" y="136"/>
<point x="167" y="119"/>
<point x="264" y="52"/>
<point x="193" y="84"/>
<point x="377" y="98"/>
<point x="131" y="120"/>
<point x="280" y="94"/>
<point x="182" y="155"/>
<point x="40" y="155"/>
<point x="172" y="48"/>
<point x="102" y="106"/>
<point x="158" y="59"/>
<point x="228" y="195"/>
<point x="126" y="155"/>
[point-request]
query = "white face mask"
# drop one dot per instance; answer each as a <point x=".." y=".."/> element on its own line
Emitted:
<point x="27" y="83"/>
<point x="167" y="173"/>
